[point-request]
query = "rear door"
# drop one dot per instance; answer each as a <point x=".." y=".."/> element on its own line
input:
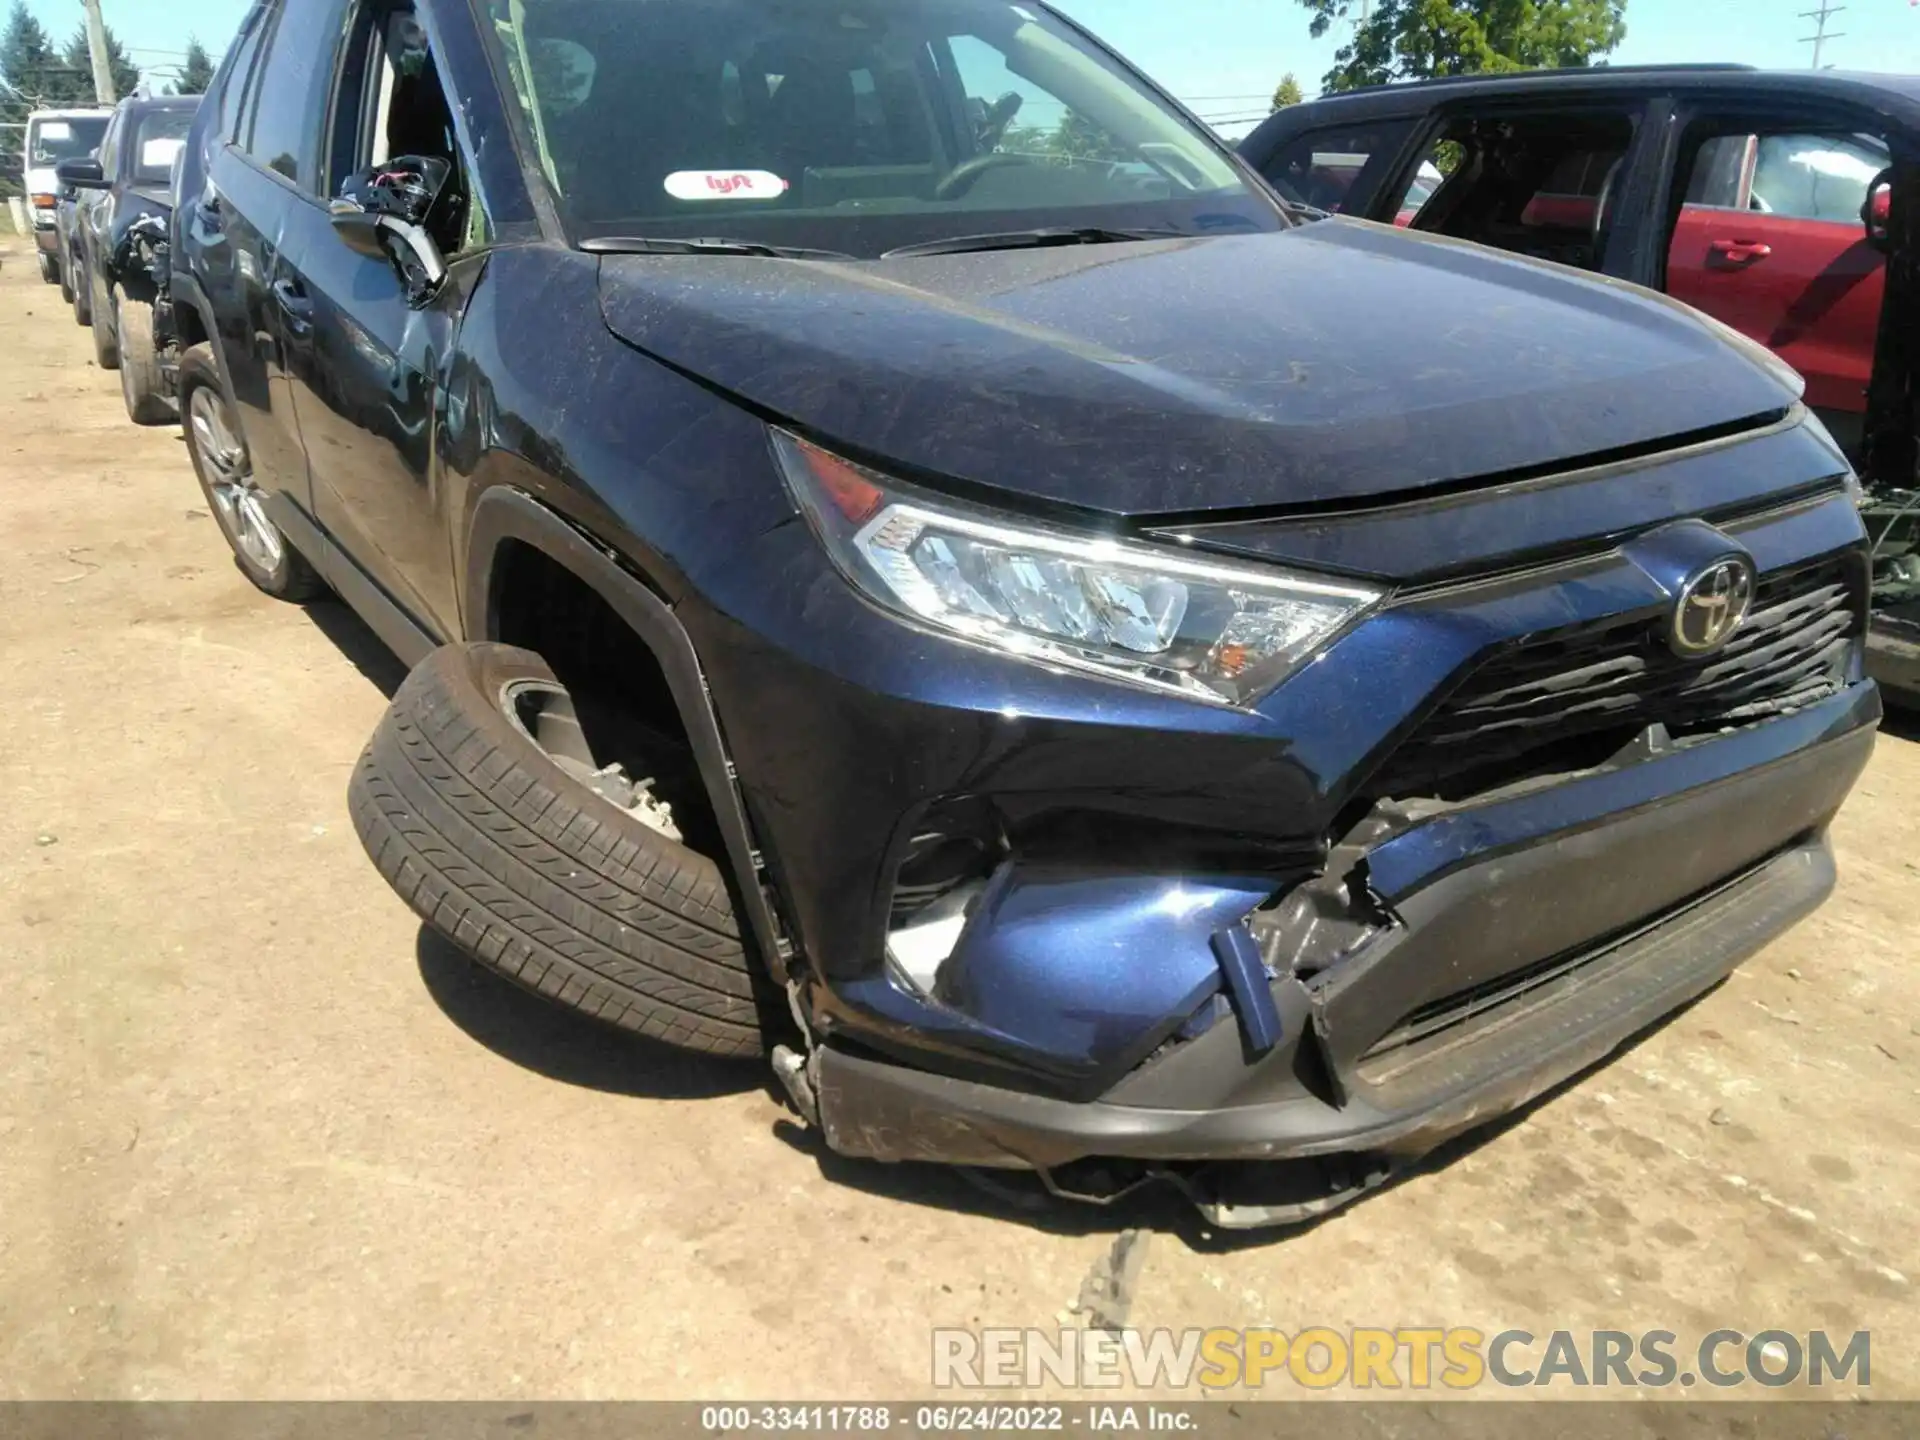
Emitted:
<point x="1771" y="242"/>
<point x="257" y="181"/>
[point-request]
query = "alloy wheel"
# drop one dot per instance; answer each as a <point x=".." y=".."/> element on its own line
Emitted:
<point x="230" y="481"/>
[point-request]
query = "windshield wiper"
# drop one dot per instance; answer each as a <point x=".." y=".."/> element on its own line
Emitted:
<point x="1034" y="240"/>
<point x="701" y="245"/>
<point x="1304" y="210"/>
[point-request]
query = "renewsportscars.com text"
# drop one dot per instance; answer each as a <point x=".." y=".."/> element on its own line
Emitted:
<point x="1402" y="1358"/>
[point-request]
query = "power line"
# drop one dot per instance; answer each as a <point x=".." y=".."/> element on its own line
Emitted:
<point x="1820" y="36"/>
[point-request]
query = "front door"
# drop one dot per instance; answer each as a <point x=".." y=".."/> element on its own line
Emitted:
<point x="1771" y="242"/>
<point x="367" y="369"/>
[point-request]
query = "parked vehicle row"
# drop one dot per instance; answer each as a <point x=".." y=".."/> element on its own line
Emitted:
<point x="102" y="205"/>
<point x="1083" y="665"/>
<point x="1772" y="202"/>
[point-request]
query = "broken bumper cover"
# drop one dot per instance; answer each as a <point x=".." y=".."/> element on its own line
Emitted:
<point x="1523" y="939"/>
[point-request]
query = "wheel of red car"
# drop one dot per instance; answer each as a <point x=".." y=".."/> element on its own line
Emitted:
<point x="560" y="875"/>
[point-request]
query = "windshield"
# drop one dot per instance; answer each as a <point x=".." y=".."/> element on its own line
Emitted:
<point x="857" y="126"/>
<point x="157" y="138"/>
<point x="70" y="137"/>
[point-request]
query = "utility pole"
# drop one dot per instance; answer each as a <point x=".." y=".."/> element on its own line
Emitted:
<point x="97" y="48"/>
<point x="1820" y="36"/>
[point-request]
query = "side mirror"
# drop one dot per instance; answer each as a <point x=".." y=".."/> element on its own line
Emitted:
<point x="1876" y="213"/>
<point x="81" y="174"/>
<point x="382" y="213"/>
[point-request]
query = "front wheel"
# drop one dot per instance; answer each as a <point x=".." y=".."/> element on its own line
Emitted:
<point x="480" y="803"/>
<point x="220" y="459"/>
<point x="49" y="268"/>
<point x="65" y="263"/>
<point x="142" y="382"/>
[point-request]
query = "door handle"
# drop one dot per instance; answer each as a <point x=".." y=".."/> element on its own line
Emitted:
<point x="1740" y="252"/>
<point x="295" y="304"/>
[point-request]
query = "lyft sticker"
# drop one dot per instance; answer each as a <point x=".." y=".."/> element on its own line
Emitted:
<point x="725" y="185"/>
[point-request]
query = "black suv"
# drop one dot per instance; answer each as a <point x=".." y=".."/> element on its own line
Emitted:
<point x="915" y="561"/>
<point x="123" y="198"/>
<point x="1772" y="201"/>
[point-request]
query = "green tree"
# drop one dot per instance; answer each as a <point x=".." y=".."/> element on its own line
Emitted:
<point x="79" y="62"/>
<point x="196" y="71"/>
<point x="1418" y="39"/>
<point x="26" y="58"/>
<point x="1287" y="92"/>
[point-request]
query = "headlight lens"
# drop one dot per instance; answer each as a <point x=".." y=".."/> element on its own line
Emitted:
<point x="1141" y="613"/>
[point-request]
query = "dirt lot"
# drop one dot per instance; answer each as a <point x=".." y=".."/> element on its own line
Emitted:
<point x="261" y="1137"/>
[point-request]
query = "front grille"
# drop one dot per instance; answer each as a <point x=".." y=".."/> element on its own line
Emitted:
<point x="1567" y="699"/>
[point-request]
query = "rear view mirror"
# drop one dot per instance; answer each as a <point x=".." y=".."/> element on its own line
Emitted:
<point x="81" y="174"/>
<point x="1876" y="214"/>
<point x="382" y="213"/>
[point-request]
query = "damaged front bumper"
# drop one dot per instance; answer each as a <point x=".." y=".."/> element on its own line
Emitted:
<point x="1480" y="987"/>
<point x="1045" y="922"/>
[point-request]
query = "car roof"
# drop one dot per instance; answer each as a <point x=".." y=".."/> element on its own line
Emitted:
<point x="1897" y="93"/>
<point x="70" y="112"/>
<point x="145" y="104"/>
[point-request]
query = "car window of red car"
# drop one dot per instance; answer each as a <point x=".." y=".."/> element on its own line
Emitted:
<point x="1816" y="177"/>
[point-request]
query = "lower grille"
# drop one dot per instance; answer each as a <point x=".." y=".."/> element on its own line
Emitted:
<point x="1567" y="699"/>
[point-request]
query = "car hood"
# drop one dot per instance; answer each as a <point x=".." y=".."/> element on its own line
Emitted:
<point x="1333" y="362"/>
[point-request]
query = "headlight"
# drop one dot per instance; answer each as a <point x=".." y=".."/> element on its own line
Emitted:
<point x="1142" y="613"/>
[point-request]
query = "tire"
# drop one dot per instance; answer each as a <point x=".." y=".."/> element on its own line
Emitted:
<point x="49" y="268"/>
<point x="142" y="382"/>
<point x="265" y="556"/>
<point x="82" y="300"/>
<point x="536" y="876"/>
<point x="106" y="344"/>
<point x="66" y="277"/>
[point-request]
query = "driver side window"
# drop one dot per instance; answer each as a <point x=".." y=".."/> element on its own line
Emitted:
<point x="1007" y="113"/>
<point x="392" y="103"/>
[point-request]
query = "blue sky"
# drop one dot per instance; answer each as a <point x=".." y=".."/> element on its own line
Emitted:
<point x="1224" y="56"/>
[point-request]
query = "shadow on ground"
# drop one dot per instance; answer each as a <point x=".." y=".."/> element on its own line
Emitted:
<point x="1902" y="722"/>
<point x="352" y="638"/>
<point x="560" y="1045"/>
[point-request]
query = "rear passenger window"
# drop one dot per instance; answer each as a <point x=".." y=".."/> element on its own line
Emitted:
<point x="1325" y="167"/>
<point x="291" y="90"/>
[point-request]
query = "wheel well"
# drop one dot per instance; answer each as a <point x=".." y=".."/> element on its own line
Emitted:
<point x="626" y="707"/>
<point x="188" y="327"/>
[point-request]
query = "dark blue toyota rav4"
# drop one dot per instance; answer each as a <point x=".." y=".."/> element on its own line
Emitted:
<point x="918" y="564"/>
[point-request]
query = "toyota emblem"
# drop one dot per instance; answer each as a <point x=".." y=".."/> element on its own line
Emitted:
<point x="1711" y="606"/>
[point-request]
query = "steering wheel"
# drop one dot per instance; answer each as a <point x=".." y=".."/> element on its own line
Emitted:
<point x="961" y="178"/>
